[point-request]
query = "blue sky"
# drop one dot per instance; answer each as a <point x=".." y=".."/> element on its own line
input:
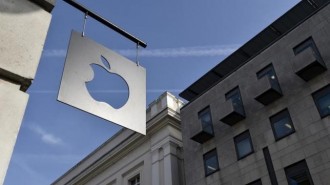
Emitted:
<point x="186" y="38"/>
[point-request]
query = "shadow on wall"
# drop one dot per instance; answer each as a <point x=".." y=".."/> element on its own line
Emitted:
<point x="17" y="6"/>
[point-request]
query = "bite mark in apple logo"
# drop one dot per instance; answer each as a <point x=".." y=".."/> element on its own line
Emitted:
<point x="112" y="89"/>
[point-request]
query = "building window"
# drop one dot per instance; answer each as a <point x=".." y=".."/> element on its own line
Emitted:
<point x="243" y="145"/>
<point x="204" y="131"/>
<point x="322" y="101"/>
<point x="233" y="110"/>
<point x="135" y="180"/>
<point x="256" y="182"/>
<point x="206" y="120"/>
<point x="269" y="73"/>
<point x="211" y="163"/>
<point x="282" y="124"/>
<point x="235" y="97"/>
<point x="298" y="174"/>
<point x="308" y="43"/>
<point x="268" y="89"/>
<point x="308" y="62"/>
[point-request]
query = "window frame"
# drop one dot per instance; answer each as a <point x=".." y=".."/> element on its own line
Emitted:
<point x="319" y="94"/>
<point x="302" y="46"/>
<point x="229" y="97"/>
<point x="240" y="137"/>
<point x="206" y="110"/>
<point x="235" y="91"/>
<point x="207" y="156"/>
<point x="294" y="169"/>
<point x="255" y="182"/>
<point x="276" y="118"/>
<point x="264" y="73"/>
<point x="130" y="181"/>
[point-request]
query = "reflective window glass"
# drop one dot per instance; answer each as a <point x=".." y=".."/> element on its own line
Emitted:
<point x="298" y="174"/>
<point x="206" y="120"/>
<point x="243" y="144"/>
<point x="322" y="101"/>
<point x="281" y="124"/>
<point x="211" y="163"/>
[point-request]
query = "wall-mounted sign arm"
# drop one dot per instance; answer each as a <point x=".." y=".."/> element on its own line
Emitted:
<point x="106" y="23"/>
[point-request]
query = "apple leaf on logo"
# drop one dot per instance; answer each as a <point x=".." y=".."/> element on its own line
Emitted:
<point x="105" y="62"/>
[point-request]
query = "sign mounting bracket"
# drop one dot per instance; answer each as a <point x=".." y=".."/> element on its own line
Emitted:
<point x="106" y="23"/>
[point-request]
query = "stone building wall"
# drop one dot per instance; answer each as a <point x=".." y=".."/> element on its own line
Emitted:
<point x="309" y="142"/>
<point x="24" y="26"/>
<point x="156" y="158"/>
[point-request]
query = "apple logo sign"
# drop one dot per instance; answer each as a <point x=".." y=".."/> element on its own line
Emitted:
<point x="104" y="78"/>
<point x="101" y="82"/>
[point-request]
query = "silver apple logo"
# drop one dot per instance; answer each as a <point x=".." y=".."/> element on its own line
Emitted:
<point x="84" y="53"/>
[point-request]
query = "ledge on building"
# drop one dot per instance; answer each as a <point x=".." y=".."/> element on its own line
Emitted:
<point x="308" y="65"/>
<point x="203" y="135"/>
<point x="232" y="113"/>
<point x="267" y="92"/>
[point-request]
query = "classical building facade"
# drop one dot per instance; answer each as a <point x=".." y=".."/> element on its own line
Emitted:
<point x="129" y="158"/>
<point x="261" y="116"/>
<point x="24" y="26"/>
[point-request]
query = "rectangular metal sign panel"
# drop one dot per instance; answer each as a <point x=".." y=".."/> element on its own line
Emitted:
<point x="83" y="52"/>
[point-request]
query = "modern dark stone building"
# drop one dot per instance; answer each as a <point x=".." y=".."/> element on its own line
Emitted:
<point x="261" y="116"/>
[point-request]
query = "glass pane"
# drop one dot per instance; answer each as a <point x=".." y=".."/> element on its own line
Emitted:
<point x="236" y="99"/>
<point x="208" y="129"/>
<point x="266" y="72"/>
<point x="258" y="182"/>
<point x="206" y="121"/>
<point x="237" y="103"/>
<point x="269" y="72"/>
<point x="244" y="147"/>
<point x="283" y="127"/>
<point x="301" y="179"/>
<point x="304" y="45"/>
<point x="324" y="105"/>
<point x="135" y="181"/>
<point x="211" y="164"/>
<point x="298" y="174"/>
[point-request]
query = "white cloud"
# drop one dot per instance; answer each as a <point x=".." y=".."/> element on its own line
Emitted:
<point x="183" y="51"/>
<point x="54" y="52"/>
<point x="42" y="91"/>
<point x="199" y="51"/>
<point x="46" y="137"/>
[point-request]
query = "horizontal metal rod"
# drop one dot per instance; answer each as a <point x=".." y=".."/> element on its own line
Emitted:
<point x="107" y="23"/>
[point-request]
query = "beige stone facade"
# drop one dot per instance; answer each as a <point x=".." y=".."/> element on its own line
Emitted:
<point x="24" y="26"/>
<point x="131" y="158"/>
